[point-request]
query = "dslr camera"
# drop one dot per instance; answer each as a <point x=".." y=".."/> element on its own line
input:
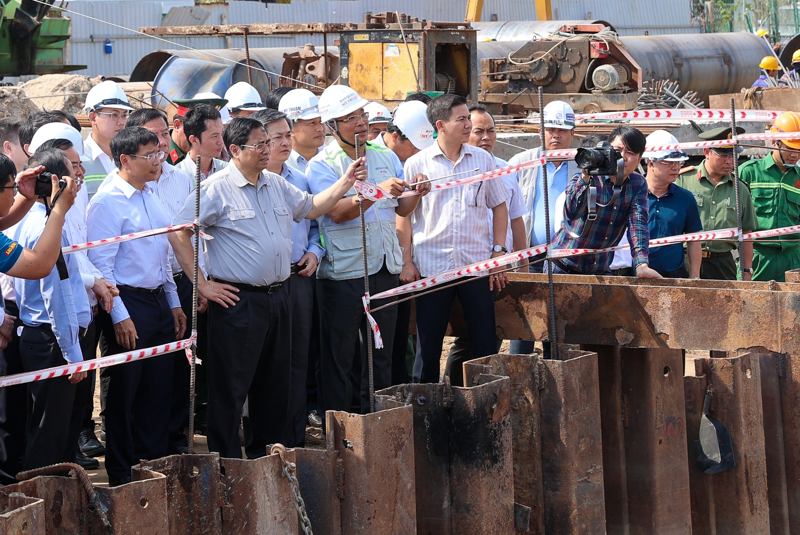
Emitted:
<point x="602" y="160"/>
<point x="44" y="184"/>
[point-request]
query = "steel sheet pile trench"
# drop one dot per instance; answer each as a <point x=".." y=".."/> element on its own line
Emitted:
<point x="462" y="454"/>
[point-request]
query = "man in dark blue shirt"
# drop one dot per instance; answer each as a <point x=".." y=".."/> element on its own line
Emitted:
<point x="672" y="209"/>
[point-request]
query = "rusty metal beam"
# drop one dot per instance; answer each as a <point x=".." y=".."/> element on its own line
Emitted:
<point x="667" y="313"/>
<point x="527" y="375"/>
<point x="740" y="498"/>
<point x="572" y="467"/>
<point x="655" y="442"/>
<point x="21" y="514"/>
<point x="462" y="453"/>
<point x="252" y="29"/>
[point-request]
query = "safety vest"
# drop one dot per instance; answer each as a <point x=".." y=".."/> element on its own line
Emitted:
<point x="94" y="176"/>
<point x="343" y="259"/>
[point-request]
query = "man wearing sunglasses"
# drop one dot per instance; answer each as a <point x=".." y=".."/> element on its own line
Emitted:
<point x="672" y="210"/>
<point x="774" y="183"/>
<point x="147" y="311"/>
<point x="713" y="190"/>
<point x="107" y="109"/>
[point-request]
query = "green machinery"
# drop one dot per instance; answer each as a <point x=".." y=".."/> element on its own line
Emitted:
<point x="33" y="36"/>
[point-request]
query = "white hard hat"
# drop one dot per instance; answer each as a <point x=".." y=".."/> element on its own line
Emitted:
<point x="299" y="104"/>
<point x="58" y="131"/>
<point x="338" y="101"/>
<point x="243" y="96"/>
<point x="378" y="113"/>
<point x="106" y="95"/>
<point x="223" y="111"/>
<point x="412" y="120"/>
<point x="660" y="138"/>
<point x="559" y="114"/>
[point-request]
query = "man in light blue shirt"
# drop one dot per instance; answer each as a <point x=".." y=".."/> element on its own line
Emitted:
<point x="147" y="311"/>
<point x="55" y="313"/>
<point x="306" y="254"/>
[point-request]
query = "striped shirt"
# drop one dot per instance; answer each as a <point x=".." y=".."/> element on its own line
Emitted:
<point x="629" y="210"/>
<point x="451" y="228"/>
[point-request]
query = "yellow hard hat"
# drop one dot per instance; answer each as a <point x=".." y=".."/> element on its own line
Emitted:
<point x="796" y="55"/>
<point x="788" y="122"/>
<point x="761" y="32"/>
<point x="769" y="63"/>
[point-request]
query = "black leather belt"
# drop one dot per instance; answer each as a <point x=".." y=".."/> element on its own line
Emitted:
<point x="178" y="276"/>
<point x="270" y="289"/>
<point x="296" y="268"/>
<point x="148" y="291"/>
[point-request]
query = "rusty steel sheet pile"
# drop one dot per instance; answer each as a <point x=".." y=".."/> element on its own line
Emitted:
<point x="607" y="440"/>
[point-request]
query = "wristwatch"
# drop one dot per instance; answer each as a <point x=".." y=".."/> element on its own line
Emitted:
<point x="499" y="249"/>
<point x="747" y="270"/>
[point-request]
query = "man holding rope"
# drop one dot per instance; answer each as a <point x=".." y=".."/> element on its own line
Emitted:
<point x="340" y="278"/>
<point x="249" y="213"/>
<point x="451" y="228"/>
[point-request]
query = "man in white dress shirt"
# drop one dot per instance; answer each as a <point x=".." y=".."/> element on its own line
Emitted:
<point x="146" y="313"/>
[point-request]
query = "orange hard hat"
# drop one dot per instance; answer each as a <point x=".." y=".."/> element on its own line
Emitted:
<point x="788" y="122"/>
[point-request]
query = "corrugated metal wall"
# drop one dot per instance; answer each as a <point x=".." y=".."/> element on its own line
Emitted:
<point x="630" y="17"/>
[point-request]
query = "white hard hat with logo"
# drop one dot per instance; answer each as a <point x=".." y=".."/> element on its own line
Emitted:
<point x="661" y="138"/>
<point x="58" y="131"/>
<point x="412" y="120"/>
<point x="299" y="105"/>
<point x="106" y="95"/>
<point x="378" y="113"/>
<point x="243" y="96"/>
<point x="559" y="114"/>
<point x="338" y="101"/>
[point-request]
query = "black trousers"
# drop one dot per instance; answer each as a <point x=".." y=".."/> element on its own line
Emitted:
<point x="100" y="324"/>
<point x="13" y="409"/>
<point x="84" y="392"/>
<point x="312" y="378"/>
<point x="343" y="322"/>
<point x="301" y="291"/>
<point x="181" y="375"/>
<point x="433" y="314"/>
<point x="249" y="357"/>
<point x="50" y="405"/>
<point x="137" y="406"/>
<point x="400" y="347"/>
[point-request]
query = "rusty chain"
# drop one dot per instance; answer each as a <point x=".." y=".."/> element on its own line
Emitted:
<point x="288" y="471"/>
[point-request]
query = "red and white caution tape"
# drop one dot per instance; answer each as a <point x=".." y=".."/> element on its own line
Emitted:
<point x="657" y="242"/>
<point x="129" y="237"/>
<point x="105" y="362"/>
<point x="372" y="323"/>
<point x="770" y="233"/>
<point x="768" y="135"/>
<point x="680" y="115"/>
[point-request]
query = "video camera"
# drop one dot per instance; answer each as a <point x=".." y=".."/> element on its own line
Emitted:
<point x="44" y="184"/>
<point x="602" y="160"/>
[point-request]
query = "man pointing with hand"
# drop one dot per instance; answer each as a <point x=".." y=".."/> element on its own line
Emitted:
<point x="249" y="213"/>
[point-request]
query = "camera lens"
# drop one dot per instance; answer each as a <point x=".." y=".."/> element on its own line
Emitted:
<point x="589" y="158"/>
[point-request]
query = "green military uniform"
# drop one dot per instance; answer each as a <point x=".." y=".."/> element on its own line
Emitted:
<point x="717" y="205"/>
<point x="176" y="155"/>
<point x="776" y="198"/>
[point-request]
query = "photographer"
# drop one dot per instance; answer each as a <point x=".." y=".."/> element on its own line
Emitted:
<point x="602" y="225"/>
<point x="54" y="313"/>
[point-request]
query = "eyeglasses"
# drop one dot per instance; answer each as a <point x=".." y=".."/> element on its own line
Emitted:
<point x="161" y="155"/>
<point x="14" y="187"/>
<point x="264" y="146"/>
<point x="364" y="117"/>
<point x="723" y="155"/>
<point x="115" y="116"/>
<point x="666" y="163"/>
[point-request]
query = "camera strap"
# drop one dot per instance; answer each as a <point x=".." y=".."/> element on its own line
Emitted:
<point x="61" y="263"/>
<point x="592" y="204"/>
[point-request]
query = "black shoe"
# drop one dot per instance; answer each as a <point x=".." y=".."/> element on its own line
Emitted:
<point x="103" y="435"/>
<point x="179" y="450"/>
<point x="89" y="445"/>
<point x="86" y="462"/>
<point x="117" y="481"/>
<point x="314" y="419"/>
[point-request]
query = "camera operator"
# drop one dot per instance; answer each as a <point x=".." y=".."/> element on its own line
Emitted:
<point x="595" y="227"/>
<point x="54" y="313"/>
